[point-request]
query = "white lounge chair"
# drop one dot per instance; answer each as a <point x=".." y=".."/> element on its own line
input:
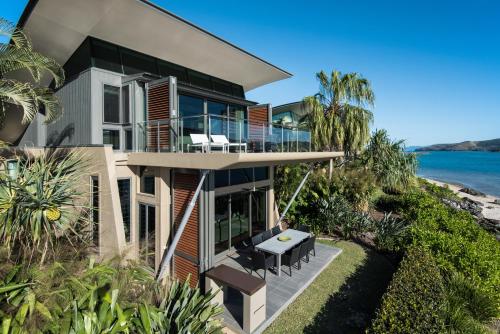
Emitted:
<point x="201" y="140"/>
<point x="222" y="139"/>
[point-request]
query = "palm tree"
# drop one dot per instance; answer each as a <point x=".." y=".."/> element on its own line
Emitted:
<point x="339" y="118"/>
<point x="18" y="55"/>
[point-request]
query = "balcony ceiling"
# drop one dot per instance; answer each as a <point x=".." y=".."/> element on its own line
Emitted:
<point x="218" y="161"/>
<point x="58" y="27"/>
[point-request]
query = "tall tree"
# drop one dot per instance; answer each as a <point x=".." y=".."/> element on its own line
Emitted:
<point x="339" y="118"/>
<point x="18" y="55"/>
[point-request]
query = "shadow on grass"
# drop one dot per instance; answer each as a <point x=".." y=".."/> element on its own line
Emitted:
<point x="352" y="308"/>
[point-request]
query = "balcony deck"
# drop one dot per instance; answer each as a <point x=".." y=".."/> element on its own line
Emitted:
<point x="281" y="291"/>
<point x="218" y="161"/>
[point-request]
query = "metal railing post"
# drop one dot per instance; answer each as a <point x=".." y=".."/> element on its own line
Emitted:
<point x="282" y="140"/>
<point x="209" y="134"/>
<point x="263" y="138"/>
<point x="157" y="136"/>
<point x="297" y="139"/>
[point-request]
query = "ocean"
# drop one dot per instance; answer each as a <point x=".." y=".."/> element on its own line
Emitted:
<point x="477" y="170"/>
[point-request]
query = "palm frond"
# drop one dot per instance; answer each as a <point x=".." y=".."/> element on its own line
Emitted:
<point x="22" y="94"/>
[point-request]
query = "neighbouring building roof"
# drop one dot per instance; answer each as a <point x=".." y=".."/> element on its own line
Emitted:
<point x="58" y="28"/>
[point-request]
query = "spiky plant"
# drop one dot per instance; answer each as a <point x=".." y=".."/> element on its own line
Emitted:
<point x="340" y="118"/>
<point x="393" y="167"/>
<point x="40" y="206"/>
<point x="18" y="55"/>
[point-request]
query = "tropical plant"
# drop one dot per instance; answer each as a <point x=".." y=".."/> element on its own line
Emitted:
<point x="336" y="215"/>
<point x="390" y="233"/>
<point x="467" y="308"/>
<point x="185" y="310"/>
<point x="339" y="119"/>
<point x="38" y="207"/>
<point x="18" y="55"/>
<point x="86" y="297"/>
<point x="393" y="168"/>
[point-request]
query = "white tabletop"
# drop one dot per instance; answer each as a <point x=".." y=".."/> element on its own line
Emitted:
<point x="273" y="245"/>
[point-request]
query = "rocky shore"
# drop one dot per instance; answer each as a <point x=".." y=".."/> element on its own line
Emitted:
<point x="485" y="208"/>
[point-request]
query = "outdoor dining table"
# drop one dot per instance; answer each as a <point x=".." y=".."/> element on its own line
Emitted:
<point x="277" y="247"/>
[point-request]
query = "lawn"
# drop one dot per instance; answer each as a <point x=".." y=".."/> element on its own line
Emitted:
<point x="343" y="298"/>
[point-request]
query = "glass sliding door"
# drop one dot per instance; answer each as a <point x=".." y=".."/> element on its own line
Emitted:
<point x="147" y="215"/>
<point x="240" y="217"/>
<point x="221" y="223"/>
<point x="259" y="211"/>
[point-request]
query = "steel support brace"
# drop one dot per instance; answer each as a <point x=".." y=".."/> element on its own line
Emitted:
<point x="295" y="195"/>
<point x="165" y="262"/>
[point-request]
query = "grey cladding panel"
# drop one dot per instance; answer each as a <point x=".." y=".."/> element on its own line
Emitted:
<point x="74" y="126"/>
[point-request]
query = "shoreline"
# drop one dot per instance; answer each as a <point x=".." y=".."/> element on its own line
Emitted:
<point x="490" y="210"/>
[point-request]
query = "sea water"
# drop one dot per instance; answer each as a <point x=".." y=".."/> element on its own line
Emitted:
<point x="478" y="170"/>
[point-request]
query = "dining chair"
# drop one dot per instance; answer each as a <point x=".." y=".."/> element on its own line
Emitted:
<point x="267" y="235"/>
<point x="257" y="239"/>
<point x="291" y="258"/>
<point x="276" y="230"/>
<point x="261" y="261"/>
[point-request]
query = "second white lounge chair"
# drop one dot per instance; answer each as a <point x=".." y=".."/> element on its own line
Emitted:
<point x="222" y="139"/>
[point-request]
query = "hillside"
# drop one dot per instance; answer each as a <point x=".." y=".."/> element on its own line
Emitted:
<point x="492" y="145"/>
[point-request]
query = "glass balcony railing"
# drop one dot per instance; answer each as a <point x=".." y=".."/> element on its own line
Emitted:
<point x="212" y="133"/>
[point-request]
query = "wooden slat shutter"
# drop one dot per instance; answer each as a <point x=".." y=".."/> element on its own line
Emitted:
<point x="258" y="121"/>
<point x="187" y="251"/>
<point x="158" y="135"/>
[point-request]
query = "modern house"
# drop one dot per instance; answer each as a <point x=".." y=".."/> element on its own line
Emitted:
<point x="142" y="85"/>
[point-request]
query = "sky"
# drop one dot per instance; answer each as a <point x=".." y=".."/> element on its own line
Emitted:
<point x="434" y="65"/>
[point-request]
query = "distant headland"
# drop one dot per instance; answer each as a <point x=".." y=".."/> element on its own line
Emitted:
<point x="492" y="145"/>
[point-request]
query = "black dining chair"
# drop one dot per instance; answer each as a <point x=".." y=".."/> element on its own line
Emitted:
<point x="291" y="258"/>
<point x="303" y="253"/>
<point x="304" y="228"/>
<point x="311" y="247"/>
<point x="267" y="235"/>
<point x="261" y="261"/>
<point x="276" y="230"/>
<point x="256" y="239"/>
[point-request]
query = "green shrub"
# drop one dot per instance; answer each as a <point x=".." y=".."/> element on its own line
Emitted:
<point x="455" y="240"/>
<point x="414" y="302"/>
<point x="437" y="191"/>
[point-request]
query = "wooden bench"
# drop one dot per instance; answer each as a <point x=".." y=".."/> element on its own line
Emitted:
<point x="252" y="288"/>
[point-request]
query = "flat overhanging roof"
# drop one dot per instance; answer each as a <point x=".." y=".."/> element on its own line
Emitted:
<point x="58" y="27"/>
<point x="218" y="161"/>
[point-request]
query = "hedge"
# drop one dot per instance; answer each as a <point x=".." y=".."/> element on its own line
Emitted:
<point x="415" y="299"/>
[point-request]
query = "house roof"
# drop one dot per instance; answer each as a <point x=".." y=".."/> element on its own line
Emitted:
<point x="58" y="27"/>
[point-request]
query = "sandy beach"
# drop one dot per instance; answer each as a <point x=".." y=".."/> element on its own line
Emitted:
<point x="490" y="209"/>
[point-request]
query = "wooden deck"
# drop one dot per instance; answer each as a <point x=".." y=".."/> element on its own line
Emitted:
<point x="281" y="291"/>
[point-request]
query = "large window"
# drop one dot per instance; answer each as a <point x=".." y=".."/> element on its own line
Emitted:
<point x="224" y="178"/>
<point x="147" y="219"/>
<point x="147" y="181"/>
<point x="111" y="137"/>
<point x="125" y="105"/>
<point x="94" y="210"/>
<point x="190" y="106"/>
<point x="106" y="55"/>
<point x="111" y="104"/>
<point x="124" y="193"/>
